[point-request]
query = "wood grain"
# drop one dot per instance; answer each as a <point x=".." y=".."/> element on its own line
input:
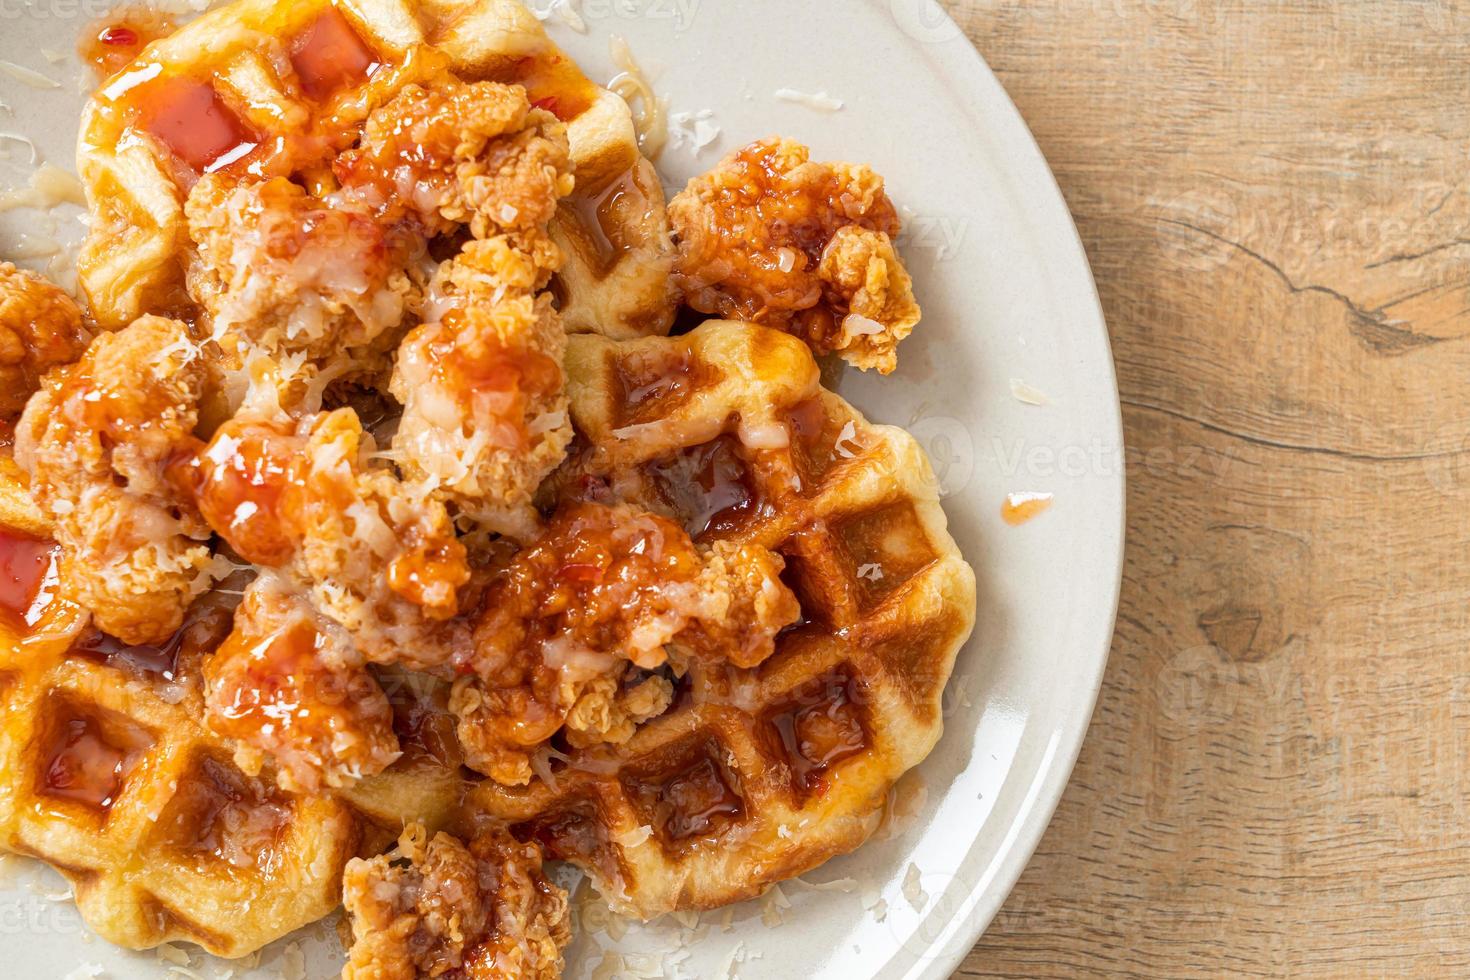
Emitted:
<point x="1273" y="198"/>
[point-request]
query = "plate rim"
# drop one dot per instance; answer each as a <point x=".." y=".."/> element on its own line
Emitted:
<point x="987" y="897"/>
<point x="1068" y="723"/>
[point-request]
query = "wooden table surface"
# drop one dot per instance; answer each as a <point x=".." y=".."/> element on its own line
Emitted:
<point x="1272" y="194"/>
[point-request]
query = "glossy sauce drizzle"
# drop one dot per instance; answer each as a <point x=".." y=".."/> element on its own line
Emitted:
<point x="27" y="576"/>
<point x="90" y="756"/>
<point x="600" y="219"/>
<point x="111" y="44"/>
<point x="710" y="485"/>
<point x="206" y="627"/>
<point x="821" y="733"/>
<point x="425" y="728"/>
<point x="506" y="377"/>
<point x="194" y="123"/>
<point x="553" y="83"/>
<point x="220" y="812"/>
<point x="697" y="802"/>
<point x="238" y="482"/>
<point x="329" y="56"/>
<point x="576" y="833"/>
<point x="652" y="384"/>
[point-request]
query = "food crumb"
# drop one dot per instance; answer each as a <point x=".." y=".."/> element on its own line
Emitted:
<point x="1022" y="507"/>
<point x="169" y="953"/>
<point x="820" y="101"/>
<point x="1028" y="394"/>
<point x="696" y="130"/>
<point x="293" y="962"/>
<point x="609" y="967"/>
<point x="913" y="888"/>
<point x="772" y="906"/>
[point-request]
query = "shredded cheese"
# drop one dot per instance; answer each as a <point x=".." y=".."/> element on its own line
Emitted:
<point x="169" y="953"/>
<point x="634" y="837"/>
<point x="28" y="76"/>
<point x="565" y="11"/>
<point x="650" y="115"/>
<point x="18" y="138"/>
<point x="293" y="962"/>
<point x="49" y="187"/>
<point x="857" y="325"/>
<point x="913" y="888"/>
<point x="1026" y="393"/>
<point x="818" y="101"/>
<point x="695" y="130"/>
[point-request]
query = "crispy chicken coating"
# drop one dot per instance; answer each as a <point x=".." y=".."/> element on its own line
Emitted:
<point x="442" y="908"/>
<point x="771" y="237"/>
<point x="570" y="629"/>
<point x="283" y="685"/>
<point x="377" y="559"/>
<point x="484" y="411"/>
<point x="96" y="441"/>
<point x="484" y="403"/>
<point x="450" y="153"/>
<point x="282" y="273"/>
<point x="40" y="328"/>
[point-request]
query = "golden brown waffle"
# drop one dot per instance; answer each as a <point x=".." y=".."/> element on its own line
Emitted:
<point x="166" y="840"/>
<point x="425" y="784"/>
<point x="106" y="775"/>
<point x="275" y="87"/>
<point x="756" y="776"/>
<point x="617" y="254"/>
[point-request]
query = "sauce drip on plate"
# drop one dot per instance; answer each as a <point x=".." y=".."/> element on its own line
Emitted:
<point x="1022" y="507"/>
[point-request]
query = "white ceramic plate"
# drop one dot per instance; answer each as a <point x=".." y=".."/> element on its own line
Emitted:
<point x="1007" y="294"/>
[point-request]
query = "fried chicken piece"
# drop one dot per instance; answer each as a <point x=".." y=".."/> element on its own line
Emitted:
<point x="771" y="237"/>
<point x="570" y="629"/>
<point x="287" y="686"/>
<point x="40" y="328"/>
<point x="451" y="153"/>
<point x="284" y="273"/>
<point x="443" y="908"/>
<point x="485" y="414"/>
<point x="374" y="557"/>
<point x="96" y="441"/>
<point x="862" y="274"/>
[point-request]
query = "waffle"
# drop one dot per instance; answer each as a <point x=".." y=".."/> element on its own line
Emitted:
<point x="755" y="776"/>
<point x="275" y="88"/>
<point x="158" y="864"/>
<point x="109" y="778"/>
